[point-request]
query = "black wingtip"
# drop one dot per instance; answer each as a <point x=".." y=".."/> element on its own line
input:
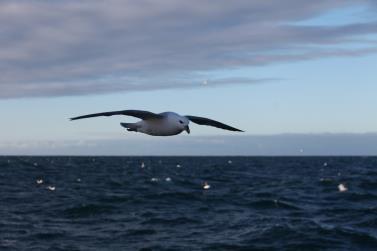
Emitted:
<point x="233" y="129"/>
<point x="76" y="118"/>
<point x="238" y="130"/>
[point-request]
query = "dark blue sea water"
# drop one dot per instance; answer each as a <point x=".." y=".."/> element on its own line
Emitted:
<point x="254" y="203"/>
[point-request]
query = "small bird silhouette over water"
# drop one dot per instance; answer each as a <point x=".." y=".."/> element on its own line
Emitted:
<point x="161" y="124"/>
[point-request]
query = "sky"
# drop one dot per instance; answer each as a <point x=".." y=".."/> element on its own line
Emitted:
<point x="299" y="77"/>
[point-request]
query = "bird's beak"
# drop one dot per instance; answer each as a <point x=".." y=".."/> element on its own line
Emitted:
<point x="187" y="129"/>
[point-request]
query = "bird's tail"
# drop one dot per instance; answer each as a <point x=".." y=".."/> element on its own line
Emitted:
<point x="132" y="127"/>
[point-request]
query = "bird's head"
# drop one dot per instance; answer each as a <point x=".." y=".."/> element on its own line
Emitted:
<point x="183" y="124"/>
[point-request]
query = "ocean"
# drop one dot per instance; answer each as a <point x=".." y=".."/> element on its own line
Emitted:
<point x="160" y="203"/>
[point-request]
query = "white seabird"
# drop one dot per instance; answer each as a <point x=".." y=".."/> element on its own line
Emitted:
<point x="206" y="186"/>
<point x="342" y="188"/>
<point x="51" y="188"/>
<point x="161" y="124"/>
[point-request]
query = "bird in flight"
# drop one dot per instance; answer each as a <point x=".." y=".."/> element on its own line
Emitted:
<point x="160" y="124"/>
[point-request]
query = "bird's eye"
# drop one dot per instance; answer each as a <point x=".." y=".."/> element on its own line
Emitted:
<point x="181" y="121"/>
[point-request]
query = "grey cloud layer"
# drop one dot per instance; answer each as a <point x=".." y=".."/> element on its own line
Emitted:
<point x="284" y="145"/>
<point x="82" y="47"/>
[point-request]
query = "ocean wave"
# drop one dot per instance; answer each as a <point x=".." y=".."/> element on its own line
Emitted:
<point x="252" y="204"/>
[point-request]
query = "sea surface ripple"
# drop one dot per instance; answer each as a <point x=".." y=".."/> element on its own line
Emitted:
<point x="158" y="203"/>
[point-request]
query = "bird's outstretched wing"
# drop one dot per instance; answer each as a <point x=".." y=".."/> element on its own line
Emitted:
<point x="210" y="122"/>
<point x="134" y="113"/>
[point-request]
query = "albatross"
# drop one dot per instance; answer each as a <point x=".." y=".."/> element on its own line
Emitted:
<point x="160" y="124"/>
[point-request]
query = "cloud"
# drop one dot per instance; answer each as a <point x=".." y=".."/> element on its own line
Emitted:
<point x="55" y="48"/>
<point x="250" y="145"/>
<point x="109" y="85"/>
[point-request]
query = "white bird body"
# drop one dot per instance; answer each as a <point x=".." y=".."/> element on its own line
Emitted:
<point x="162" y="124"/>
<point x="168" y="126"/>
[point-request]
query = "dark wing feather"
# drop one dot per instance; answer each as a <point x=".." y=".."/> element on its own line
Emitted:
<point x="210" y="122"/>
<point x="134" y="113"/>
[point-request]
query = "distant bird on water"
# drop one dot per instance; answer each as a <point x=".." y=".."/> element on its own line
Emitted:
<point x="161" y="124"/>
